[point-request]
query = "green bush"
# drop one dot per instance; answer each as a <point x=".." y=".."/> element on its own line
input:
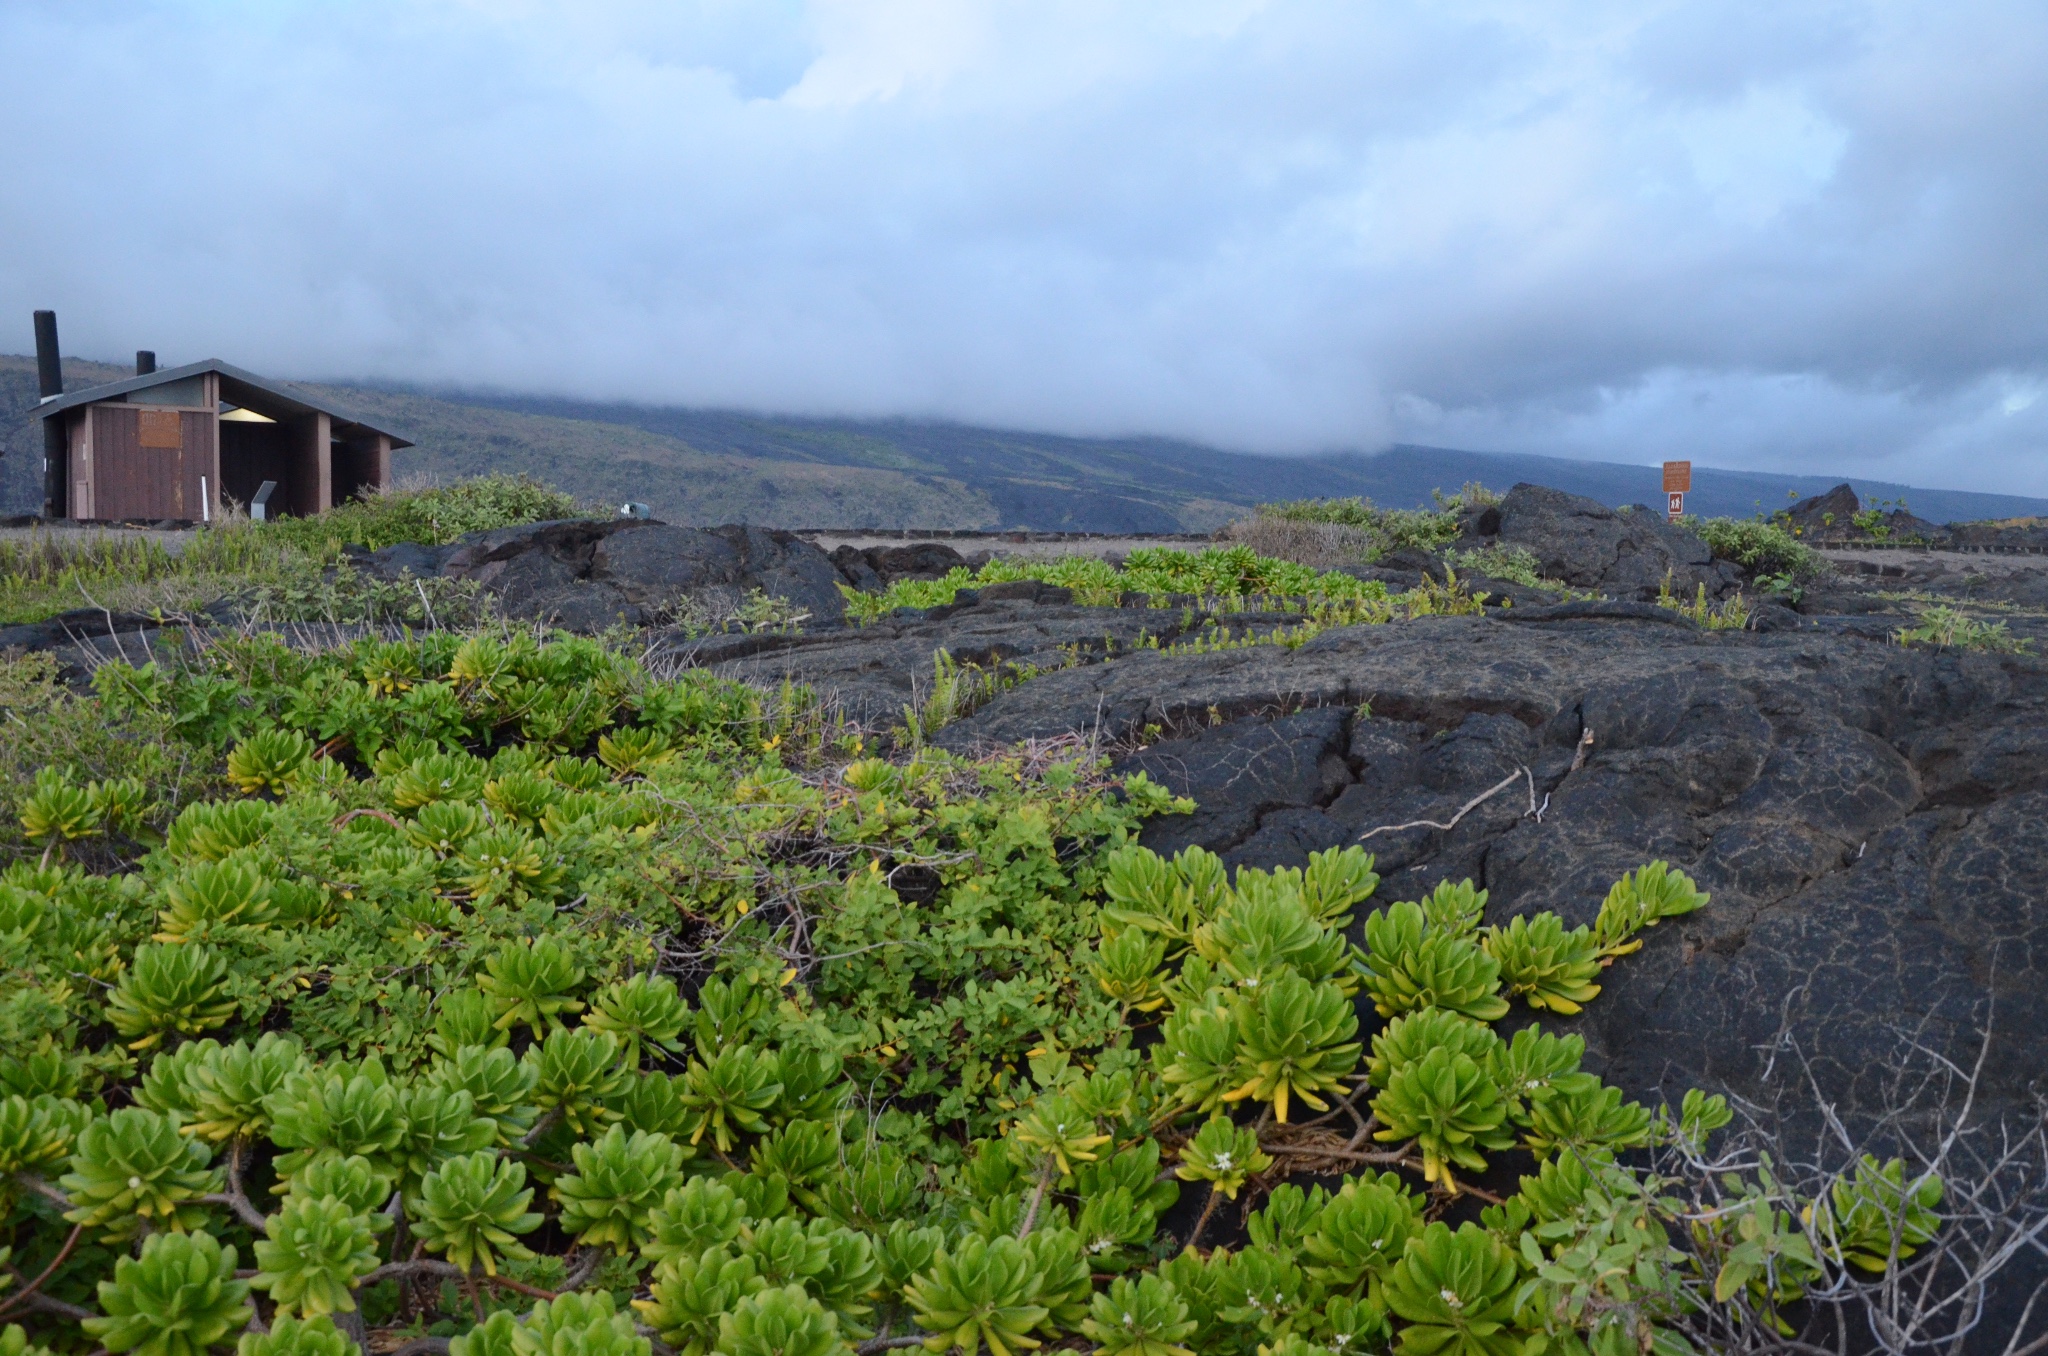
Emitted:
<point x="1762" y="548"/>
<point x="613" y="986"/>
<point x="1383" y="529"/>
<point x="433" y="516"/>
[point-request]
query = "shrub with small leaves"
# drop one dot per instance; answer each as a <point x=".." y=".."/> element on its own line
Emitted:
<point x="178" y="1298"/>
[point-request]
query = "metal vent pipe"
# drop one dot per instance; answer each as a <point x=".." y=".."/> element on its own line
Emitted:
<point x="145" y="362"/>
<point x="56" y="449"/>
<point x="49" y="368"/>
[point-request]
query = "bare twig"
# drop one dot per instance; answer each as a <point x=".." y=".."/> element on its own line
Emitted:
<point x="1467" y="808"/>
<point x="28" y="1291"/>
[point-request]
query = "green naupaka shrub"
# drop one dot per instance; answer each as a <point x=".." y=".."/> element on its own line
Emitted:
<point x="499" y="967"/>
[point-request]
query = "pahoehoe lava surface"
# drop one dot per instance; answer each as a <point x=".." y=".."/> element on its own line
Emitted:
<point x="1872" y="821"/>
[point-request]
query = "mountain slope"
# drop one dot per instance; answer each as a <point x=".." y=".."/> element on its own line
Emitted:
<point x="709" y="466"/>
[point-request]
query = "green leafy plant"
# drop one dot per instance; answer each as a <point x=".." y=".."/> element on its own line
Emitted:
<point x="692" y="1291"/>
<point x="134" y="1171"/>
<point x="645" y="1008"/>
<point x="984" y="1292"/>
<point x="313" y="1253"/>
<point x="785" y="1321"/>
<point x="728" y="1095"/>
<point x="1874" y="1218"/>
<point x="59" y="810"/>
<point x="472" y="1209"/>
<point x="1456" y="1290"/>
<point x="1223" y="1154"/>
<point x="952" y="1045"/>
<point x="290" y="1336"/>
<point x="576" y="1325"/>
<point x="267" y="761"/>
<point x="531" y="984"/>
<point x="170" y="990"/>
<point x="178" y="1298"/>
<point x="1642" y="899"/>
<point x="576" y="1077"/>
<point x="618" y="1181"/>
<point x="1949" y="628"/>
<point x="1294" y="1040"/>
<point x="1545" y="965"/>
<point x="1448" y="1105"/>
<point x="1142" y="1317"/>
<point x="1410" y="964"/>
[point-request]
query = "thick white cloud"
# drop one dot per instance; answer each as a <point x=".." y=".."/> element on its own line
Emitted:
<point x="1771" y="235"/>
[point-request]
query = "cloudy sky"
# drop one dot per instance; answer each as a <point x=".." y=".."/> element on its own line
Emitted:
<point x="1789" y="234"/>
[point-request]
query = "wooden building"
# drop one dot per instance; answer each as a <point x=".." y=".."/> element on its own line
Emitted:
<point x="177" y="443"/>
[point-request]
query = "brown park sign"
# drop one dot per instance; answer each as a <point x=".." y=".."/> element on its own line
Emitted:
<point x="1677" y="477"/>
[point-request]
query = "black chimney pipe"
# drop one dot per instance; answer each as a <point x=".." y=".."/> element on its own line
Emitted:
<point x="145" y="362"/>
<point x="49" y="370"/>
<point x="56" y="447"/>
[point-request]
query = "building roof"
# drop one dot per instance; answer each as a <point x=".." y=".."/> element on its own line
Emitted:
<point x="237" y="387"/>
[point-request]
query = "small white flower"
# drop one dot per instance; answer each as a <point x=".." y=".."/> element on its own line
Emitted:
<point x="1450" y="1297"/>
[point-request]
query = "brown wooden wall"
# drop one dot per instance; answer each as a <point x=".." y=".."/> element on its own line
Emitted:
<point x="138" y="471"/>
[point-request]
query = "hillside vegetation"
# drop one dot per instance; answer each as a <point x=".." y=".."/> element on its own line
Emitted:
<point x="709" y="466"/>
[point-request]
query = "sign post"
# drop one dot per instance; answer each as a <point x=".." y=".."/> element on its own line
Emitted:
<point x="1677" y="480"/>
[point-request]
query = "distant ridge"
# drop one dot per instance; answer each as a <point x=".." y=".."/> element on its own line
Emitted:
<point x="712" y="466"/>
<point x="1161" y="470"/>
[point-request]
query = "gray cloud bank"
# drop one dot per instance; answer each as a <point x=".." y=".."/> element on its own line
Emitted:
<point x="1785" y="235"/>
